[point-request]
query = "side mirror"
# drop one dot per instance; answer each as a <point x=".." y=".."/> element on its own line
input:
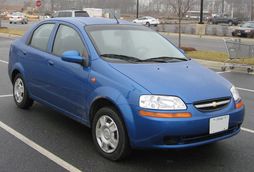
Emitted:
<point x="73" y="56"/>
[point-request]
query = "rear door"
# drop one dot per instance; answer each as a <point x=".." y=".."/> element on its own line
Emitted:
<point x="35" y="60"/>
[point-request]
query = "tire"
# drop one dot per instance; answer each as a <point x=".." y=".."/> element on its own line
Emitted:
<point x="104" y="137"/>
<point x="10" y="22"/>
<point x="230" y="23"/>
<point x="20" y="95"/>
<point x="148" y="24"/>
<point x="223" y="68"/>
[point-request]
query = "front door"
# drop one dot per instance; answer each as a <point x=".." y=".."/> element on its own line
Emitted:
<point x="69" y="84"/>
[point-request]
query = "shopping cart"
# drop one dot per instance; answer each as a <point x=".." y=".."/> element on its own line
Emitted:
<point x="238" y="52"/>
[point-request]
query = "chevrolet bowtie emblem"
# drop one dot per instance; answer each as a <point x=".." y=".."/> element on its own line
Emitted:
<point x="214" y="104"/>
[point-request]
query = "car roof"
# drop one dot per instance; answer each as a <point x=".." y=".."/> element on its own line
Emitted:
<point x="88" y="20"/>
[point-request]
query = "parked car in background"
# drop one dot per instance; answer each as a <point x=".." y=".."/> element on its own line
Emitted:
<point x="147" y="21"/>
<point x="223" y="19"/>
<point x="71" y="13"/>
<point x="245" y="30"/>
<point x="18" y="17"/>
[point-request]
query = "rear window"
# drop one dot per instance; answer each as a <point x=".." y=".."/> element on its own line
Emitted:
<point x="81" y="14"/>
<point x="64" y="14"/>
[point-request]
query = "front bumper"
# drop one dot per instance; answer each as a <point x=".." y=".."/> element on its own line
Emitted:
<point x="184" y="132"/>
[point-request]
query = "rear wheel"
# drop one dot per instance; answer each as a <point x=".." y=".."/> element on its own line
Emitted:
<point x="109" y="134"/>
<point x="20" y="93"/>
<point x="230" y="23"/>
<point x="148" y="24"/>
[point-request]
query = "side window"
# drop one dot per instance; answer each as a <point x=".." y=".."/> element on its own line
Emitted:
<point x="68" y="39"/>
<point x="41" y="36"/>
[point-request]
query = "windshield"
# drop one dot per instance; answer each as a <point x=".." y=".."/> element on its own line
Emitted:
<point x="135" y="43"/>
<point x="249" y="25"/>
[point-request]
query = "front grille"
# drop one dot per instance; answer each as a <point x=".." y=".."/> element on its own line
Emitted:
<point x="212" y="105"/>
<point x="199" y="138"/>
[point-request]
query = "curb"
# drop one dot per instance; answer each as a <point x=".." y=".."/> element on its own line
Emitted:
<point x="9" y="36"/>
<point x="206" y="36"/>
<point x="217" y="66"/>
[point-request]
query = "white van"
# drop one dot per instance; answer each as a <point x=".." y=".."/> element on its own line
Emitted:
<point x="71" y="13"/>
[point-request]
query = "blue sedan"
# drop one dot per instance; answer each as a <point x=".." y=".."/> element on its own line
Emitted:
<point x="128" y="83"/>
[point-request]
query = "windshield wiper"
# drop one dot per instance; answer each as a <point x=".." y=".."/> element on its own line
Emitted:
<point x="121" y="57"/>
<point x="165" y="59"/>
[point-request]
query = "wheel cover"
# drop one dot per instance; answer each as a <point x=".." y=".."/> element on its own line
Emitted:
<point x="19" y="90"/>
<point x="107" y="134"/>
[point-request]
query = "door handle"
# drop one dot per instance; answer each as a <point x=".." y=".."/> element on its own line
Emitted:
<point x="51" y="63"/>
<point x="23" y="52"/>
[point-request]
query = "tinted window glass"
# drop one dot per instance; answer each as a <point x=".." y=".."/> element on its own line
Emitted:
<point x="65" y="14"/>
<point x="68" y="39"/>
<point x="41" y="36"/>
<point x="81" y="14"/>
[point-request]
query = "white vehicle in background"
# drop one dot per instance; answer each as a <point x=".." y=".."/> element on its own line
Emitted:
<point x="71" y="13"/>
<point x="147" y="21"/>
<point x="18" y="17"/>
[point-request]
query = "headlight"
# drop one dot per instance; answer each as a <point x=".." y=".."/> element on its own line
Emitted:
<point x="235" y="93"/>
<point x="161" y="102"/>
<point x="248" y="31"/>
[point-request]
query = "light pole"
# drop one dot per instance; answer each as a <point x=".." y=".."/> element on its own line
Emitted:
<point x="137" y="8"/>
<point x="201" y="12"/>
<point x="222" y="7"/>
<point x="251" y="10"/>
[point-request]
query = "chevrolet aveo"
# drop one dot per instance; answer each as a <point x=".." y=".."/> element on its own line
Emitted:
<point x="128" y="83"/>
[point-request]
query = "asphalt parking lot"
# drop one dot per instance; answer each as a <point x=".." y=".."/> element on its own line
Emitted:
<point x="41" y="139"/>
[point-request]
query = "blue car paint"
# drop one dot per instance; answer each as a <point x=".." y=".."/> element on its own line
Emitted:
<point x="122" y="84"/>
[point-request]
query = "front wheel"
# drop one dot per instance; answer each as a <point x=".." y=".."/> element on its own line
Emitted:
<point x="109" y="134"/>
<point x="20" y="93"/>
<point x="148" y="24"/>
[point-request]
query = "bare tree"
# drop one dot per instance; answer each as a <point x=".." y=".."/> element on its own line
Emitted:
<point x="2" y="5"/>
<point x="180" y="7"/>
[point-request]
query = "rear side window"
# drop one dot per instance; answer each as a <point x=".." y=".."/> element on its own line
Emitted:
<point x="41" y="36"/>
<point x="68" y="39"/>
<point x="81" y="14"/>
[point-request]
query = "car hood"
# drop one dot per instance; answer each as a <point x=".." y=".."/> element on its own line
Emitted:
<point x="188" y="80"/>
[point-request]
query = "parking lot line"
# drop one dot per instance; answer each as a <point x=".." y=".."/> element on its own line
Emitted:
<point x="245" y="89"/>
<point x="247" y="130"/>
<point x="223" y="72"/>
<point x="4" y="61"/>
<point x="39" y="149"/>
<point x="7" y="95"/>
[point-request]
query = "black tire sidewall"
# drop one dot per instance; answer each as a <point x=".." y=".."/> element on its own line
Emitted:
<point x="122" y="149"/>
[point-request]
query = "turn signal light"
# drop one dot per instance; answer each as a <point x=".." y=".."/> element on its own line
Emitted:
<point x="165" y="115"/>
<point x="239" y="104"/>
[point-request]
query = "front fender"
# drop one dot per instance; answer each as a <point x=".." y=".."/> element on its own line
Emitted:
<point x="119" y="100"/>
<point x="18" y="66"/>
